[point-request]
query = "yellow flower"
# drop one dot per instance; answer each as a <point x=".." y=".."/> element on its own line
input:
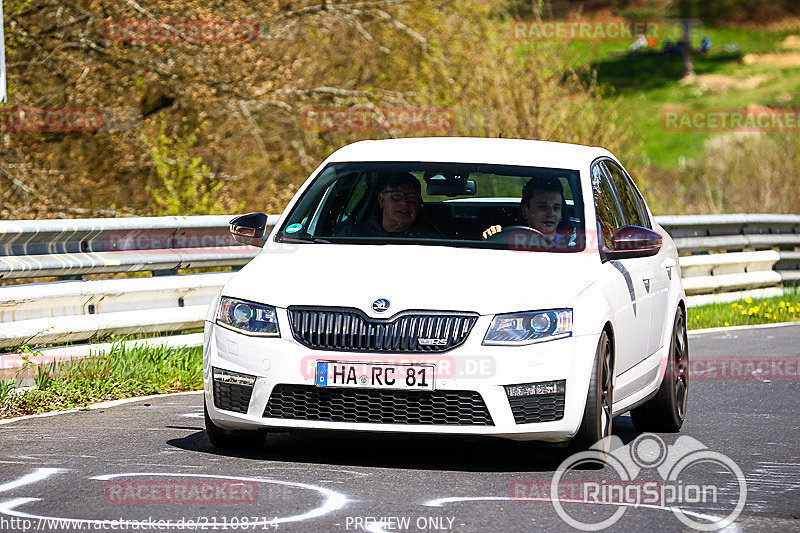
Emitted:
<point x="782" y="304"/>
<point x="749" y="300"/>
<point x="743" y="312"/>
<point x="727" y="324"/>
<point x="766" y="315"/>
<point x="791" y="309"/>
<point x="734" y="305"/>
<point x="697" y="317"/>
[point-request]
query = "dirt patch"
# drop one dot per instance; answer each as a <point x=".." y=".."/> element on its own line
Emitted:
<point x="787" y="23"/>
<point x="792" y="42"/>
<point x="718" y="82"/>
<point x="778" y="60"/>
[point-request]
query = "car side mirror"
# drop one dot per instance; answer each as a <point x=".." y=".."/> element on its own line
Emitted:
<point x="632" y="241"/>
<point x="249" y="229"/>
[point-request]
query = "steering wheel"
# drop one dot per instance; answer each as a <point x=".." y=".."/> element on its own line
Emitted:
<point x="522" y="237"/>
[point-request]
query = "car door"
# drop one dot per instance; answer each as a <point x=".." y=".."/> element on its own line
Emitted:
<point x="623" y="279"/>
<point x="655" y="273"/>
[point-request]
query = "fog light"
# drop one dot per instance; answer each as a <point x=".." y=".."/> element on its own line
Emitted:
<point x="227" y="376"/>
<point x="535" y="389"/>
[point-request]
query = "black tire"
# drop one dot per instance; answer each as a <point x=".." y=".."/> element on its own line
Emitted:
<point x="666" y="411"/>
<point x="596" y="423"/>
<point x="228" y="438"/>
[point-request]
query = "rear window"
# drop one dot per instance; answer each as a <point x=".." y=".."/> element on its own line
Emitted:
<point x="444" y="204"/>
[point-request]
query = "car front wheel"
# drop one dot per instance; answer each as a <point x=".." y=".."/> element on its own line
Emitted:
<point x="666" y="411"/>
<point x="596" y="423"/>
<point x="228" y="438"/>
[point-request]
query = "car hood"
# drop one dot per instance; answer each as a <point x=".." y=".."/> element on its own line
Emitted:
<point x="413" y="277"/>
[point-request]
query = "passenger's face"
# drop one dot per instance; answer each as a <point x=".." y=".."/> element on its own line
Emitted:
<point x="543" y="212"/>
<point x="399" y="215"/>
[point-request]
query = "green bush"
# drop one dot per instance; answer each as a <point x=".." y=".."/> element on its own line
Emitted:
<point x="186" y="185"/>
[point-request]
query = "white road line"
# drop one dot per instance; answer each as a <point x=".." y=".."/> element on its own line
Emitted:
<point x="333" y="501"/>
<point x="37" y="475"/>
<point x="377" y="527"/>
<point x="440" y="501"/>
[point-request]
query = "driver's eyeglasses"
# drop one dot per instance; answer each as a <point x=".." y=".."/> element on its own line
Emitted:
<point x="398" y="196"/>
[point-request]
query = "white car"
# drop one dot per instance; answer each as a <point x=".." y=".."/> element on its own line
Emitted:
<point x="411" y="287"/>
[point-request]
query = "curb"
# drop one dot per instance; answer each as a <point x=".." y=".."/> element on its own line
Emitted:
<point x="735" y="328"/>
<point x="100" y="405"/>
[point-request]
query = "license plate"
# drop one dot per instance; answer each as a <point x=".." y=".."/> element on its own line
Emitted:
<point x="375" y="375"/>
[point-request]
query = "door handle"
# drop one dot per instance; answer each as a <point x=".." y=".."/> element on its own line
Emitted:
<point x="669" y="264"/>
<point x="647" y="277"/>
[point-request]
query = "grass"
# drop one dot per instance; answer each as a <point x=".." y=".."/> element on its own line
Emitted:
<point x="646" y="84"/>
<point x="120" y="373"/>
<point x="745" y="312"/>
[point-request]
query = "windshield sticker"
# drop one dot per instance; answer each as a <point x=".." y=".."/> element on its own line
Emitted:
<point x="293" y="228"/>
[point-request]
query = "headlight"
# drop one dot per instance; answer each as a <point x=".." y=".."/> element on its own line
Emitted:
<point x="526" y="328"/>
<point x="248" y="317"/>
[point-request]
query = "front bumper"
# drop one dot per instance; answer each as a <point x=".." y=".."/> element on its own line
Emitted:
<point x="470" y="368"/>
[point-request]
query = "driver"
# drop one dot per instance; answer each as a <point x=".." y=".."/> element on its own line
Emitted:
<point x="400" y="202"/>
<point x="542" y="207"/>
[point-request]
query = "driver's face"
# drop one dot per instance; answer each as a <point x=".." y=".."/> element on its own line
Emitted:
<point x="399" y="215"/>
<point x="543" y="212"/>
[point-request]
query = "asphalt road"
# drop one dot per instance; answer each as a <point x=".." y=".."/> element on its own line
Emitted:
<point x="131" y="466"/>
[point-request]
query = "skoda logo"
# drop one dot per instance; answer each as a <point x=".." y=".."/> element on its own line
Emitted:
<point x="379" y="306"/>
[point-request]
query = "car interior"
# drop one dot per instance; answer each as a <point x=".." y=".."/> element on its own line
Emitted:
<point x="458" y="202"/>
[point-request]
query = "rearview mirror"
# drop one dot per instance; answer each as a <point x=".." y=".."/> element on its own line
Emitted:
<point x="632" y="241"/>
<point x="439" y="185"/>
<point x="249" y="229"/>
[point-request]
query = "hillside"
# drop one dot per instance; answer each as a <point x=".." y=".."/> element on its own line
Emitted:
<point x="217" y="123"/>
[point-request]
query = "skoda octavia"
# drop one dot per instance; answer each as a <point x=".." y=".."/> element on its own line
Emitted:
<point x="496" y="287"/>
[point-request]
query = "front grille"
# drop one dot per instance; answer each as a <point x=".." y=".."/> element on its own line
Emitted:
<point x="346" y="329"/>
<point x="445" y="408"/>
<point x="539" y="408"/>
<point x="232" y="397"/>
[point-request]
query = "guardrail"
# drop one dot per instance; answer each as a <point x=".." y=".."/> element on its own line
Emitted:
<point x="721" y="256"/>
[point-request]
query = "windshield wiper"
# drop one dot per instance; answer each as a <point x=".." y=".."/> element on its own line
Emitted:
<point x="295" y="240"/>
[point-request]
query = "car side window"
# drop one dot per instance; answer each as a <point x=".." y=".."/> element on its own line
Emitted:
<point x="626" y="194"/>
<point x="609" y="216"/>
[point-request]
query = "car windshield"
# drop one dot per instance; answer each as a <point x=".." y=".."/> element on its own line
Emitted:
<point x="444" y="204"/>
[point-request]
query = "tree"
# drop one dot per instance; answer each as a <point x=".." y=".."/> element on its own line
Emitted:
<point x="686" y="39"/>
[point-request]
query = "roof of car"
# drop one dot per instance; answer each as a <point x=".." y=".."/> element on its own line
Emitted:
<point x="472" y="150"/>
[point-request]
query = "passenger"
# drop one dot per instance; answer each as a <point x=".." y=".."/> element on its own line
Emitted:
<point x="542" y="207"/>
<point x="400" y="203"/>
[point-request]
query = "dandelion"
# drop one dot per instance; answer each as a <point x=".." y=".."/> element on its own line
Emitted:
<point x="782" y="304"/>
<point x="697" y="317"/>
<point x="749" y="300"/>
<point x="791" y="309"/>
<point x="743" y="312"/>
<point x="727" y="324"/>
<point x="766" y="315"/>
